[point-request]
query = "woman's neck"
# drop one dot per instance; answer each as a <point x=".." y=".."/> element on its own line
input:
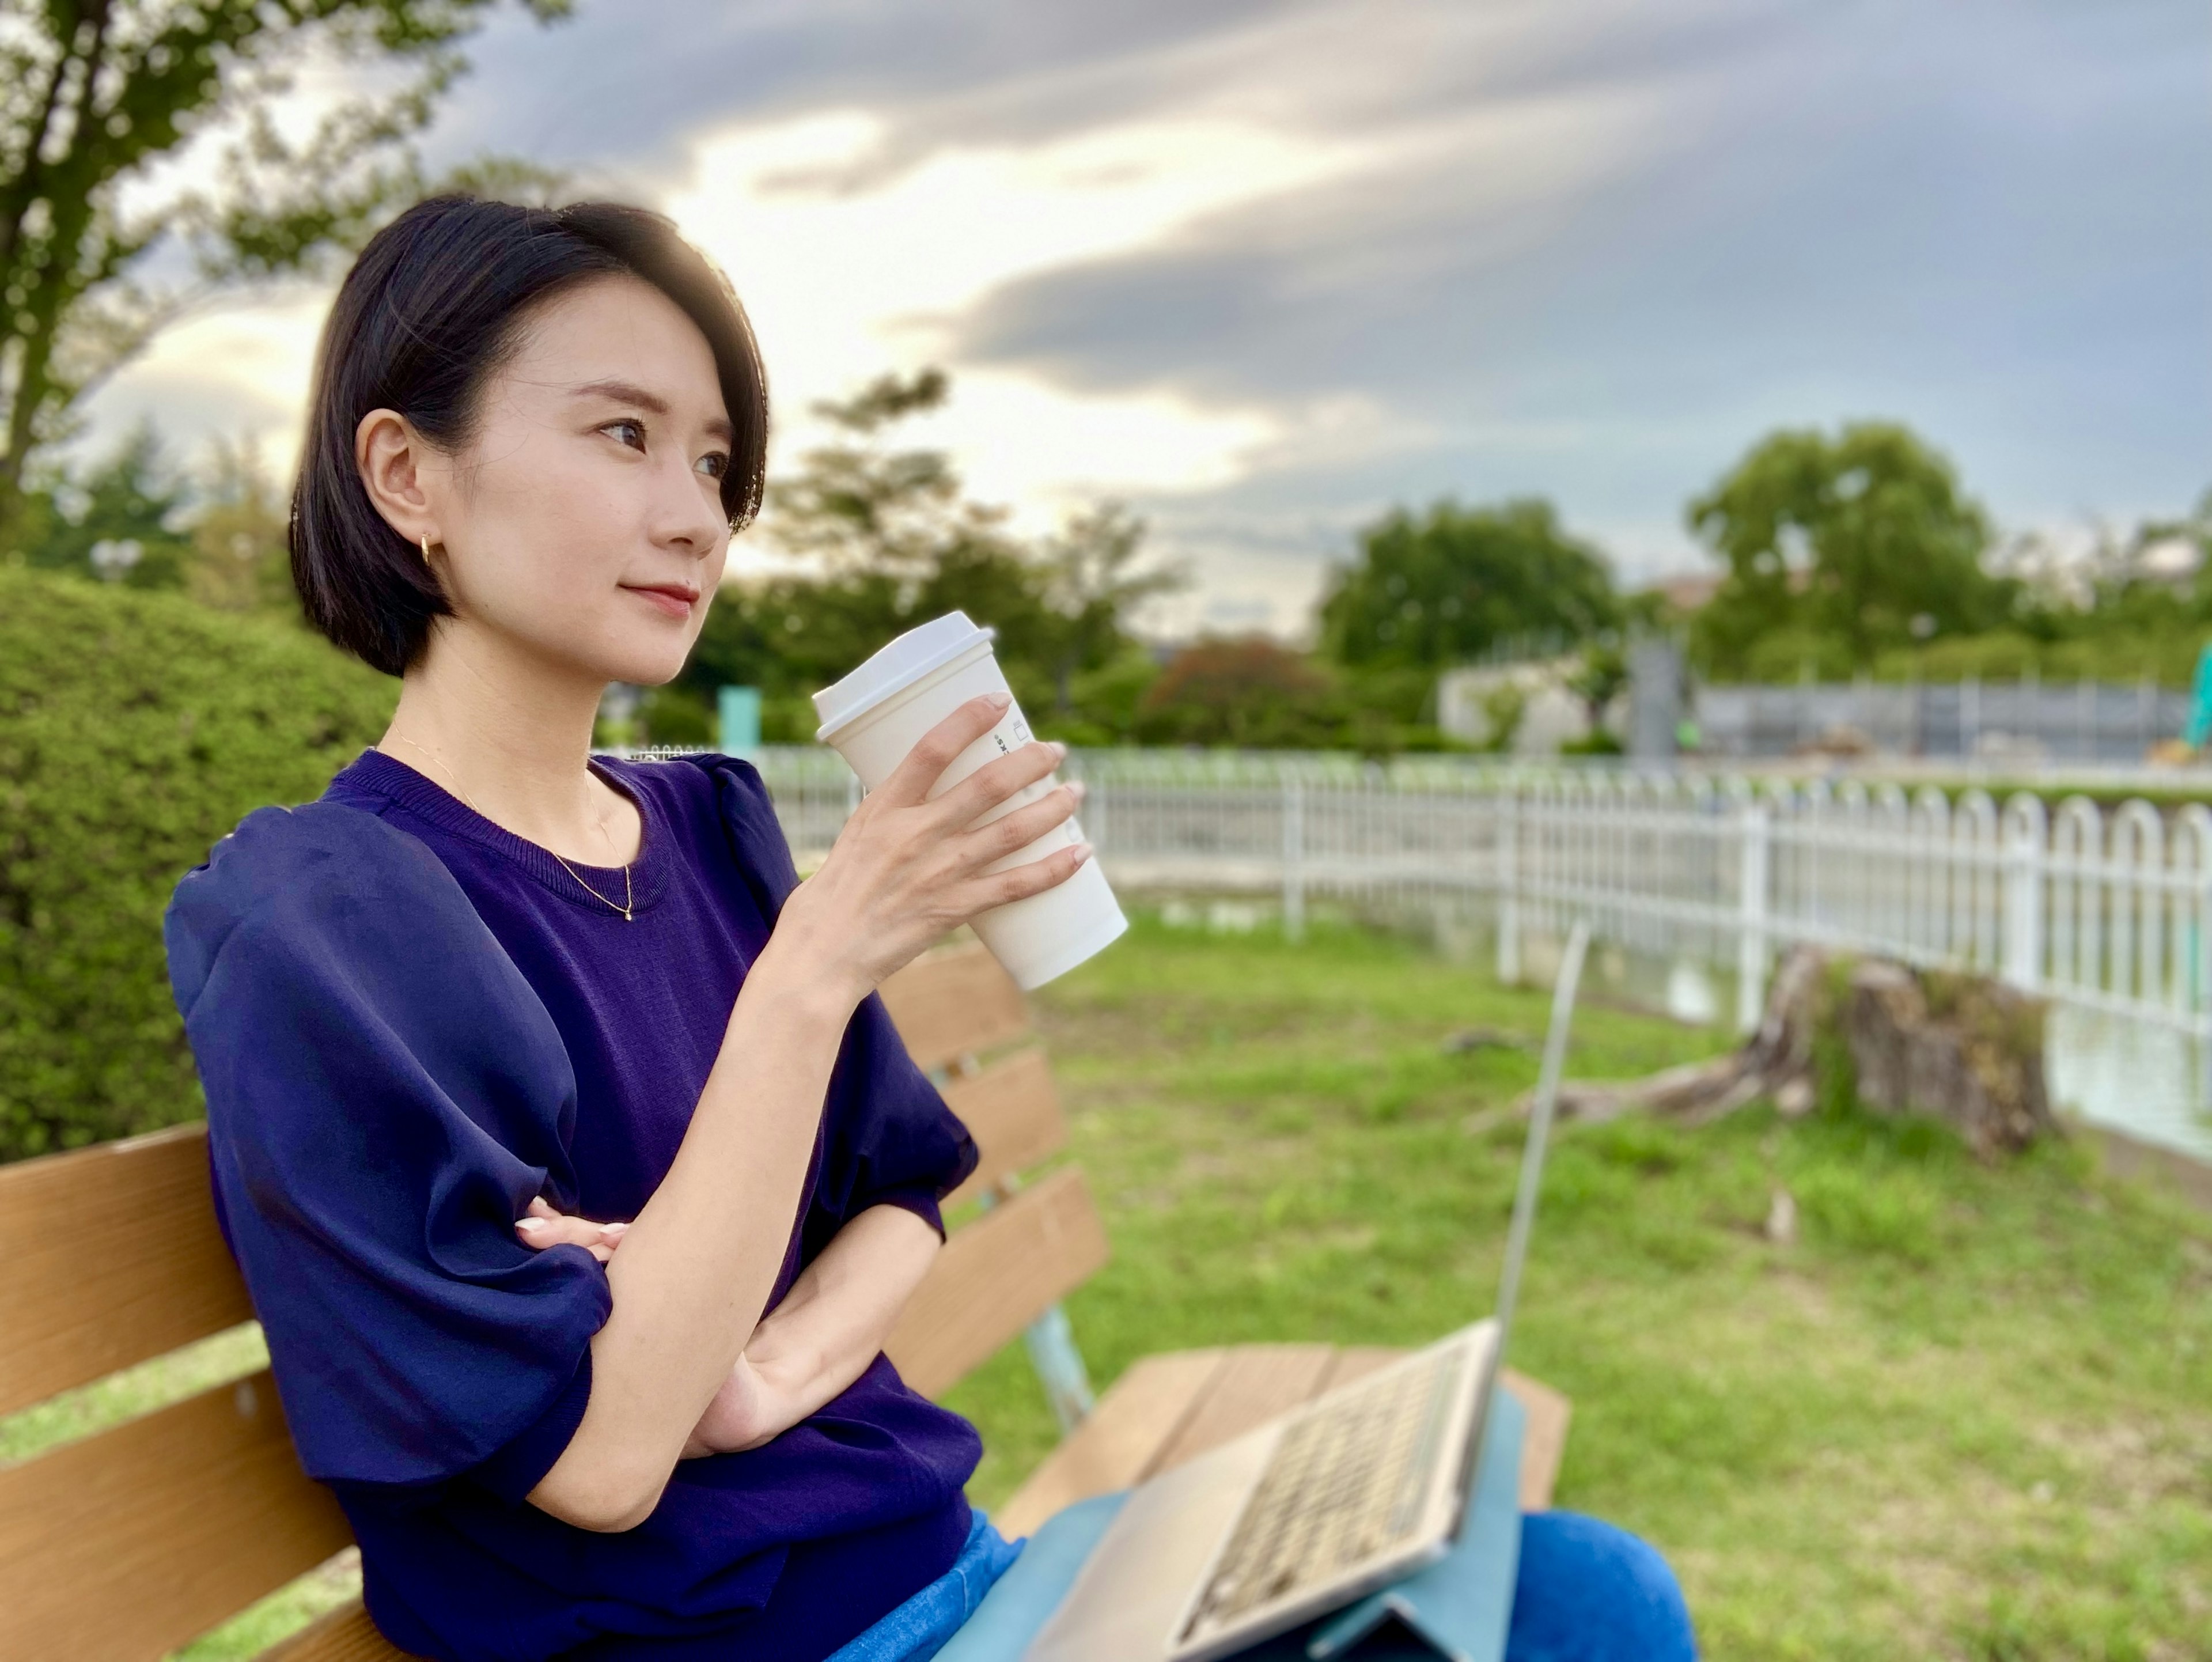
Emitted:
<point x="510" y="734"/>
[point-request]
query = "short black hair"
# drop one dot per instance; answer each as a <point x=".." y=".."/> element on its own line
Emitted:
<point x="434" y="307"/>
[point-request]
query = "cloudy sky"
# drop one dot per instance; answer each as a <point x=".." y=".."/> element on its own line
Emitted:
<point x="1263" y="269"/>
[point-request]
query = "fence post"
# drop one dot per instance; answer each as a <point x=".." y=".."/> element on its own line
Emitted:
<point x="2022" y="955"/>
<point x="1509" y="883"/>
<point x="1095" y="830"/>
<point x="2201" y="972"/>
<point x="1294" y="849"/>
<point x="1751" y="929"/>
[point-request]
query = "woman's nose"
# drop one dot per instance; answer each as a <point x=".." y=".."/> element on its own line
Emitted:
<point x="687" y="515"/>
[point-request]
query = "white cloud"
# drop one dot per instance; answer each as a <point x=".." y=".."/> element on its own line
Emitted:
<point x="850" y="263"/>
<point x="236" y="371"/>
<point x="849" y="267"/>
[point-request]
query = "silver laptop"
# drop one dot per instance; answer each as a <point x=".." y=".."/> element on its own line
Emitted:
<point x="1337" y="1498"/>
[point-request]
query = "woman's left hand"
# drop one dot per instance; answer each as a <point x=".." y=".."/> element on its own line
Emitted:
<point x="542" y="1227"/>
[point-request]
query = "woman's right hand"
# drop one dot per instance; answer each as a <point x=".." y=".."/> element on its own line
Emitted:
<point x="906" y="869"/>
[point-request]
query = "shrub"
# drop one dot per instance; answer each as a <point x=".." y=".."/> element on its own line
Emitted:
<point x="1252" y="692"/>
<point x="135" y="728"/>
<point x="1246" y="691"/>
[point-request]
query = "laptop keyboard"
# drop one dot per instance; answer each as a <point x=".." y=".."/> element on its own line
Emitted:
<point x="1344" y="1484"/>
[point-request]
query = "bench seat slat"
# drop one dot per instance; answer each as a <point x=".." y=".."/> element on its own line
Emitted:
<point x="124" y="1545"/>
<point x="1260" y="1382"/>
<point x="113" y="1256"/>
<point x="344" y="1635"/>
<point x="1116" y="1443"/>
<point x="995" y="1278"/>
<point x="1167" y="1402"/>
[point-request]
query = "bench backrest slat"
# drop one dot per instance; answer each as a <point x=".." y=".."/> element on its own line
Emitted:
<point x="113" y="1256"/>
<point x="955" y="1002"/>
<point x="1012" y="1108"/>
<point x="996" y="1276"/>
<point x="127" y="1544"/>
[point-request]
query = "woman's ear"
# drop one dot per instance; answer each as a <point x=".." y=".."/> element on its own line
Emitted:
<point x="393" y="458"/>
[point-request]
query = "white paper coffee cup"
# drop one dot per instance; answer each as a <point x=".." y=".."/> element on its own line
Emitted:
<point x="873" y="719"/>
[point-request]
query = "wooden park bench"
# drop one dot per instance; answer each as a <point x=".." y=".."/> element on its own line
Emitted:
<point x="123" y="1545"/>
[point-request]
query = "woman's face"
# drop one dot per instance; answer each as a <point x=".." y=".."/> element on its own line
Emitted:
<point x="585" y="521"/>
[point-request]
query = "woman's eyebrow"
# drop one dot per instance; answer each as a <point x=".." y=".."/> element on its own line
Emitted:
<point x="624" y="391"/>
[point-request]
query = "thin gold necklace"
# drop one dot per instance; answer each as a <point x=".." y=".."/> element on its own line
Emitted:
<point x="625" y="906"/>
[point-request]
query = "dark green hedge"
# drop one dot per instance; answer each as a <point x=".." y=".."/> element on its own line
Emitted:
<point x="135" y="728"/>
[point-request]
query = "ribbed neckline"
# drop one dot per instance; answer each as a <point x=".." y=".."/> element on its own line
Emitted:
<point x="424" y="797"/>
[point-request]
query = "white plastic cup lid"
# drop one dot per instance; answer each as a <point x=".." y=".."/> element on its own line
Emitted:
<point x="896" y="667"/>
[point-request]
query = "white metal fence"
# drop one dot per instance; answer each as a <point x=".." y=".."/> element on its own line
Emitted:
<point x="2082" y="721"/>
<point x="2108" y="909"/>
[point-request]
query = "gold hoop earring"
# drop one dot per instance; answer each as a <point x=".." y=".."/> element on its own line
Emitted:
<point x="426" y="548"/>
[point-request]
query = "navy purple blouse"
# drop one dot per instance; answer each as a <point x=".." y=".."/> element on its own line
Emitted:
<point x="409" y="1021"/>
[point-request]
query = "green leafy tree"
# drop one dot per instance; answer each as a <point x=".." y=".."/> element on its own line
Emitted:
<point x="98" y="97"/>
<point x="1249" y="691"/>
<point x="1442" y="587"/>
<point x="121" y="520"/>
<point x="1599" y="679"/>
<point x="1093" y="582"/>
<point x="1858" y="543"/>
<point x="894" y="539"/>
<point x="857" y="504"/>
<point x="240" y="560"/>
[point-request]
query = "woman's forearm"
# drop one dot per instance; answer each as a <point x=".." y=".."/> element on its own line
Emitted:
<point x="822" y="1337"/>
<point x="698" y="1264"/>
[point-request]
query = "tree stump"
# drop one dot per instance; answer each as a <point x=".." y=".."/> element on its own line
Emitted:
<point x="1964" y="1049"/>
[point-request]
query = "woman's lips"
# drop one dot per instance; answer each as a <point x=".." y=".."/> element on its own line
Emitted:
<point x="673" y="602"/>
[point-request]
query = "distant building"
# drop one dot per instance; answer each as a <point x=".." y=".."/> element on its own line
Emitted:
<point x="1533" y="698"/>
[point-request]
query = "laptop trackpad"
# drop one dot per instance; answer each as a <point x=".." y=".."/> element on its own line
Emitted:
<point x="1141" y="1574"/>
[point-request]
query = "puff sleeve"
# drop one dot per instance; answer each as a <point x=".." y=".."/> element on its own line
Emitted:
<point x="385" y="1093"/>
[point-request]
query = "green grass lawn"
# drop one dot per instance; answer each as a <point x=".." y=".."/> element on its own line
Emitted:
<point x="1968" y="1414"/>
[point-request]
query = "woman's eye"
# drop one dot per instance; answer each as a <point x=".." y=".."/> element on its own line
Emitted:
<point x="714" y="463"/>
<point x="629" y="432"/>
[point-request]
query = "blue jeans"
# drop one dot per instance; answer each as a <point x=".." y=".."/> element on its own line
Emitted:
<point x="1586" y="1592"/>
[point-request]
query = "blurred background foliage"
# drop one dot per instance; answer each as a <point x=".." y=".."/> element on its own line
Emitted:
<point x="1862" y="554"/>
<point x="135" y="728"/>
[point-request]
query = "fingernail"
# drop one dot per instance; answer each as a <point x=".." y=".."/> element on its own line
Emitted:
<point x="1082" y="852"/>
<point x="531" y="1224"/>
<point x="614" y="1228"/>
<point x="1001" y="700"/>
<point x="1059" y="749"/>
<point x="1078" y="789"/>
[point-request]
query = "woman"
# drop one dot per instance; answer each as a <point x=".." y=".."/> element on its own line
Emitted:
<point x="575" y="1169"/>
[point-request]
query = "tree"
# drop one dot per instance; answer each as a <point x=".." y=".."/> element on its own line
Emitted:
<point x="100" y="99"/>
<point x="1598" y="680"/>
<point x="894" y="539"/>
<point x="121" y="520"/>
<point x="1446" y="586"/>
<point x="240" y="560"/>
<point x="1863" y="541"/>
<point x="1248" y="691"/>
<point x="855" y="504"/>
<point x="1092" y="584"/>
